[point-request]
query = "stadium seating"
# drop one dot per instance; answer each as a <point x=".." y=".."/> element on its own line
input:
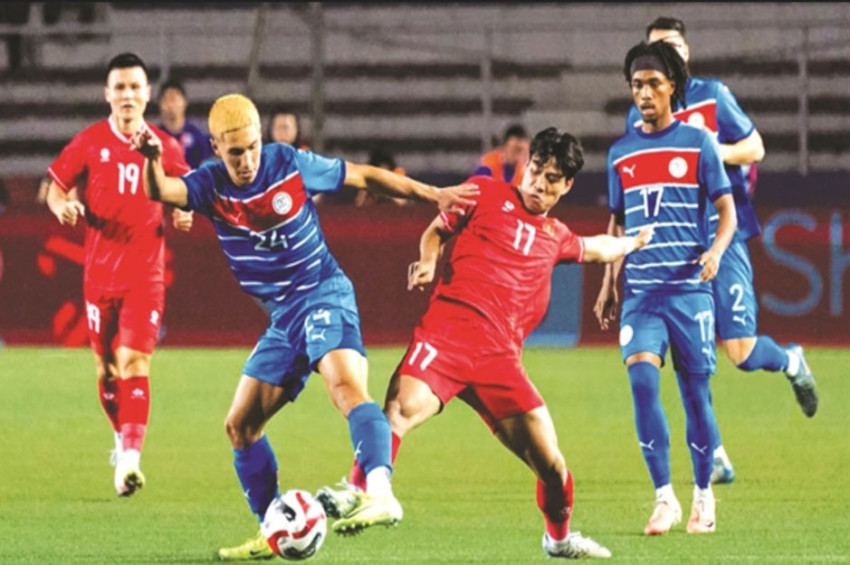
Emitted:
<point x="418" y="90"/>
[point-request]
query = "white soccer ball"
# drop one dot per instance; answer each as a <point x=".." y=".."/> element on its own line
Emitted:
<point x="295" y="525"/>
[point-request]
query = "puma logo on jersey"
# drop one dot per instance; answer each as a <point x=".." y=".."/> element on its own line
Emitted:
<point x="630" y="170"/>
<point x="104" y="155"/>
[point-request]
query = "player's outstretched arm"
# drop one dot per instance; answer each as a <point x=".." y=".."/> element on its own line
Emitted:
<point x="728" y="223"/>
<point x="158" y="186"/>
<point x="367" y="177"/>
<point x="66" y="206"/>
<point x="421" y="273"/>
<point x="609" y="248"/>
<point x="608" y="300"/>
<point x="745" y="151"/>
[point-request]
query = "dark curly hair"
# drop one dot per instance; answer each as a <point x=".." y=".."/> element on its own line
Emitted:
<point x="675" y="67"/>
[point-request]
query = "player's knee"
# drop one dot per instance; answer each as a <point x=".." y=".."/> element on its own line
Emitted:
<point x="554" y="471"/>
<point x="133" y="364"/>
<point x="737" y="350"/>
<point x="404" y="414"/>
<point x="240" y="432"/>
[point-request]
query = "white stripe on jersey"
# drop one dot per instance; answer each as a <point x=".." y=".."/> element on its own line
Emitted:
<point x="672" y="244"/>
<point x="315" y="263"/>
<point x="258" y="283"/>
<point x="306" y="238"/>
<point x="663" y="205"/>
<point x="307" y="286"/>
<point x="662" y="264"/>
<point x="714" y="218"/>
<point x="664" y="225"/>
<point x="666" y="186"/>
<point x="659" y="281"/>
<point x="319" y="248"/>
<point x="658" y="150"/>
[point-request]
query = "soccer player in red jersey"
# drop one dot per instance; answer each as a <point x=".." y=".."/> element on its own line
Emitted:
<point x="494" y="290"/>
<point x="98" y="177"/>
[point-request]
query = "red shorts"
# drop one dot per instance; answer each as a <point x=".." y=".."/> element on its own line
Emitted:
<point x="129" y="318"/>
<point x="456" y="353"/>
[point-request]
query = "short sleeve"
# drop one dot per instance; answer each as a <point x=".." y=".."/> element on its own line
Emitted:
<point x="615" y="187"/>
<point x="319" y="174"/>
<point x="200" y="185"/>
<point x="455" y="221"/>
<point x="733" y="124"/>
<point x="173" y="159"/>
<point x="70" y="165"/>
<point x="712" y="174"/>
<point x="572" y="247"/>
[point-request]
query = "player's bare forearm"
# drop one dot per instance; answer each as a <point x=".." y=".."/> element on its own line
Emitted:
<point x="744" y="152"/>
<point x="421" y="273"/>
<point x="609" y="248"/>
<point x="382" y="181"/>
<point x="161" y="187"/>
<point x="66" y="206"/>
<point x="728" y="223"/>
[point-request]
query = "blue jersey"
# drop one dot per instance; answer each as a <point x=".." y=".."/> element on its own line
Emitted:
<point x="195" y="143"/>
<point x="713" y="107"/>
<point x="667" y="179"/>
<point x="269" y="230"/>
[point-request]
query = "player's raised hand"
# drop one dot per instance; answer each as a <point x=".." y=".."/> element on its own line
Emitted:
<point x="607" y="304"/>
<point x="644" y="236"/>
<point x="182" y="220"/>
<point x="453" y="198"/>
<point x="710" y="261"/>
<point x="147" y="143"/>
<point x="420" y="275"/>
<point x="71" y="211"/>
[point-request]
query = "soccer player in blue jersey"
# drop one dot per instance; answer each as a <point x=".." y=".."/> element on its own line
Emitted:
<point x="258" y="199"/>
<point x="712" y="106"/>
<point x="667" y="173"/>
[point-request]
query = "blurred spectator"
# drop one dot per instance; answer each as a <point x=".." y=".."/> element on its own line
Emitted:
<point x="507" y="162"/>
<point x="384" y="160"/>
<point x="172" y="114"/>
<point x="285" y="127"/>
<point x="15" y="13"/>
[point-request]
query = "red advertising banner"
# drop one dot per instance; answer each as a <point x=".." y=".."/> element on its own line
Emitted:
<point x="800" y="263"/>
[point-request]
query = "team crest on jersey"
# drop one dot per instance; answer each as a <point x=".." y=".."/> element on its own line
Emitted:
<point x="507" y="206"/>
<point x="697" y="120"/>
<point x="104" y="155"/>
<point x="282" y="203"/>
<point x="678" y="167"/>
<point x="549" y="227"/>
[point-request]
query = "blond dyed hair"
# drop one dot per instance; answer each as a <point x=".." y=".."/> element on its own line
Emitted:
<point x="232" y="112"/>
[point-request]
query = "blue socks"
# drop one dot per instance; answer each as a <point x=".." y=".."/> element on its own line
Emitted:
<point x="701" y="424"/>
<point x="370" y="436"/>
<point x="652" y="430"/>
<point x="766" y="354"/>
<point x="256" y="467"/>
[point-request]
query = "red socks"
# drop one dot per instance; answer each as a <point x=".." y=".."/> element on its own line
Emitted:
<point x="134" y="402"/>
<point x="358" y="479"/>
<point x="108" y="394"/>
<point x="556" y="505"/>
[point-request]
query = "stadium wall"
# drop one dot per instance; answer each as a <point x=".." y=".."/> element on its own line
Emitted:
<point x="801" y="264"/>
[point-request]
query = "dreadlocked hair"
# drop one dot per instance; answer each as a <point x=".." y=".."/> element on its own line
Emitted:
<point x="674" y="66"/>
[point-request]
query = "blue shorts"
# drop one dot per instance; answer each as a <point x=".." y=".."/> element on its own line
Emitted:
<point x="734" y="295"/>
<point x="303" y="331"/>
<point x="650" y="322"/>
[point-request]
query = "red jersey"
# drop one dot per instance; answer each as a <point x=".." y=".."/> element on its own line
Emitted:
<point x="125" y="244"/>
<point x="503" y="258"/>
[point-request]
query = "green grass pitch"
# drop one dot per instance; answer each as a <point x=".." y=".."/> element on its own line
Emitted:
<point x="466" y="499"/>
